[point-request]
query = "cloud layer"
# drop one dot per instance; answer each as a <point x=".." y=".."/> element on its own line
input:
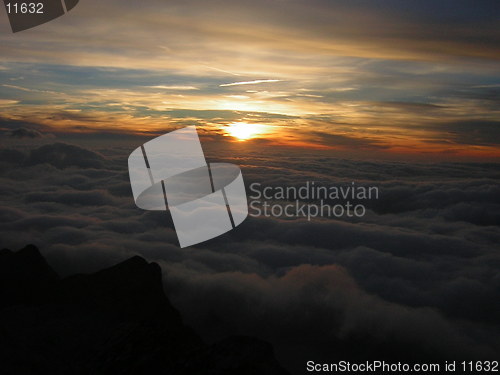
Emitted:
<point x="416" y="278"/>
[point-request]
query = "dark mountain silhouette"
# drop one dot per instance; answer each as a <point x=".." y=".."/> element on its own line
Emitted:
<point x="115" y="321"/>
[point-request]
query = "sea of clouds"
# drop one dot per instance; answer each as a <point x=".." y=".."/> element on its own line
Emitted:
<point x="416" y="278"/>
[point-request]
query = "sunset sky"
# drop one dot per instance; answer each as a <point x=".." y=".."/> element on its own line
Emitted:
<point x="390" y="79"/>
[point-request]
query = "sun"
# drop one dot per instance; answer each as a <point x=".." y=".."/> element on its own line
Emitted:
<point x="243" y="131"/>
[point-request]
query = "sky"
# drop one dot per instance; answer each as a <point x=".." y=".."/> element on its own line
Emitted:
<point x="399" y="95"/>
<point x="387" y="79"/>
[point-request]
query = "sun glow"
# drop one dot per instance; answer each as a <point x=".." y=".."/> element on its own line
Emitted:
<point x="243" y="131"/>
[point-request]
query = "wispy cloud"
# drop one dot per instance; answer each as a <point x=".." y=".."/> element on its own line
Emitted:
<point x="30" y="90"/>
<point x="18" y="88"/>
<point x="8" y="102"/>
<point x="257" y="81"/>
<point x="179" y="87"/>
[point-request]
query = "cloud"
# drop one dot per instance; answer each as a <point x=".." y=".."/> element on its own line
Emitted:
<point x="231" y="27"/>
<point x="17" y="88"/>
<point x="179" y="88"/>
<point x="345" y="141"/>
<point x="12" y="156"/>
<point x="317" y="303"/>
<point x="8" y="102"/>
<point x="416" y="278"/>
<point x="62" y="155"/>
<point x="473" y="132"/>
<point x="26" y="133"/>
<point x="254" y="82"/>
